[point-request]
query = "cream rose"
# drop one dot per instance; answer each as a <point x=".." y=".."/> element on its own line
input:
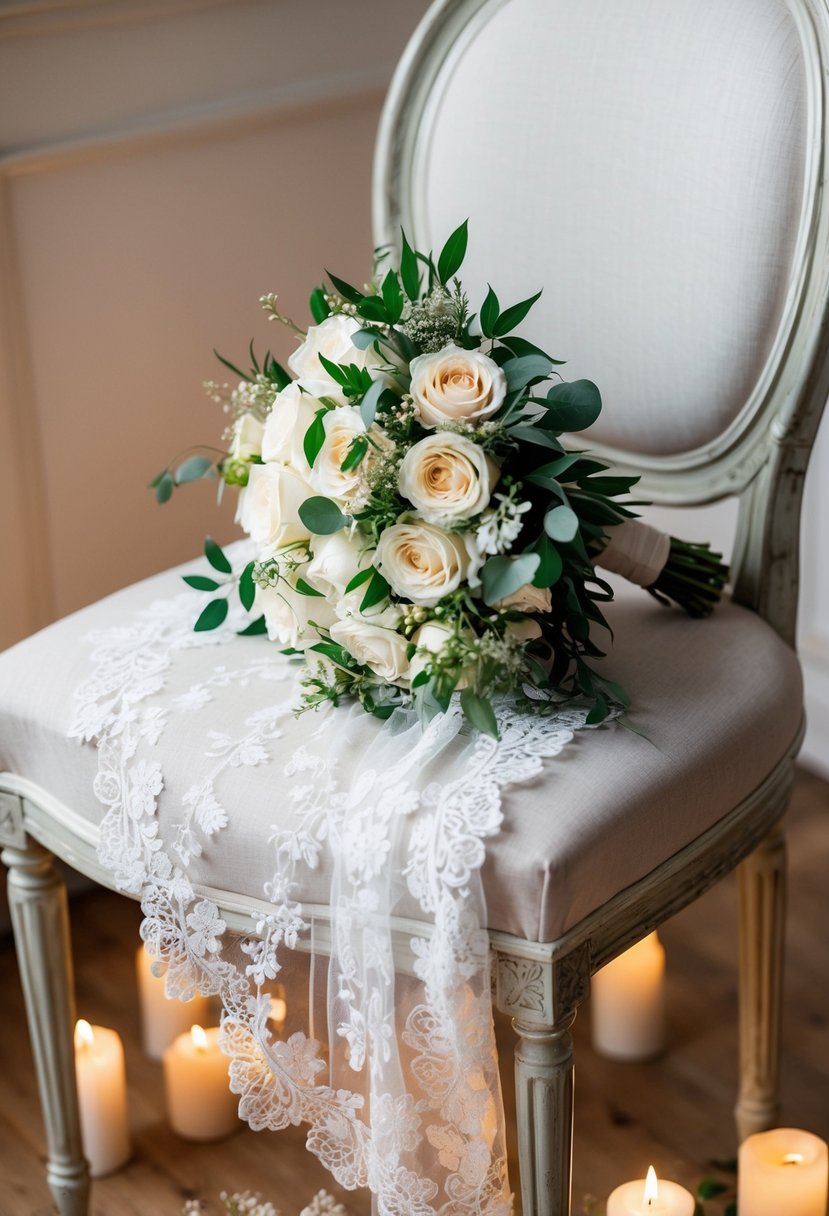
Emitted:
<point x="447" y="476"/>
<point x="336" y="559"/>
<point x="342" y="426"/>
<point x="524" y="631"/>
<point x="528" y="599"/>
<point x="269" y="505"/>
<point x="247" y="437"/>
<point x="383" y="650"/>
<point x="455" y="385"/>
<point x="288" y="614"/>
<point x="421" y="563"/>
<point x="291" y="414"/>
<point x="331" y="338"/>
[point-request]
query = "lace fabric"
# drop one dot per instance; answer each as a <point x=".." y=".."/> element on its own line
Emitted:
<point x="389" y="1054"/>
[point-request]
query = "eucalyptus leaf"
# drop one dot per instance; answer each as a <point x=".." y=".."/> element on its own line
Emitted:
<point x="574" y="405"/>
<point x="164" y="487"/>
<point x="561" y="523"/>
<point x="368" y="405"/>
<point x="364" y="338"/>
<point x="501" y="576"/>
<point x="216" y="557"/>
<point x="212" y="616"/>
<point x="550" y="564"/>
<point x="192" y="469"/>
<point x="479" y="712"/>
<point x="522" y="369"/>
<point x="321" y="516"/>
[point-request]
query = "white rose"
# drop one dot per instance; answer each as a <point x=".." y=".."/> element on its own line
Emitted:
<point x="528" y="599"/>
<point x="383" y="650"/>
<point x="269" y="505"/>
<point x="331" y="338"/>
<point x="288" y="614"/>
<point x="336" y="559"/>
<point x="247" y="437"/>
<point x="421" y="563"/>
<point x="290" y="416"/>
<point x="455" y="385"/>
<point x="447" y="476"/>
<point x="342" y="426"/>
<point x="524" y="631"/>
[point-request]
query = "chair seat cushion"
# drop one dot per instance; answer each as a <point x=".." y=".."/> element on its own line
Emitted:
<point x="719" y="703"/>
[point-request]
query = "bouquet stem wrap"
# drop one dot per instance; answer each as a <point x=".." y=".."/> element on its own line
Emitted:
<point x="637" y="551"/>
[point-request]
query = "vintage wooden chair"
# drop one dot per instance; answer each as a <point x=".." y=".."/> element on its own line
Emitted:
<point x="658" y="167"/>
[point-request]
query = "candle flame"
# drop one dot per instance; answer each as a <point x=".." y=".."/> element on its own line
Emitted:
<point x="651" y="1189"/>
<point x="199" y="1038"/>
<point x="83" y="1035"/>
<point x="793" y="1159"/>
<point x="279" y="1009"/>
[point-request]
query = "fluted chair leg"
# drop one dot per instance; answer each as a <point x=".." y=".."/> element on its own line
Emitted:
<point x="544" y="1114"/>
<point x="762" y="884"/>
<point x="40" y="920"/>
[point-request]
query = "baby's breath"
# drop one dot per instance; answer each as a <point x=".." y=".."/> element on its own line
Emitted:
<point x="437" y="319"/>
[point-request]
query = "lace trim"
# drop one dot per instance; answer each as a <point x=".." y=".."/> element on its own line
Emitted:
<point x="413" y="1106"/>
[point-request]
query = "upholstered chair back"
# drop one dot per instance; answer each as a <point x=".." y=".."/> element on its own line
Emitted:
<point x="655" y="166"/>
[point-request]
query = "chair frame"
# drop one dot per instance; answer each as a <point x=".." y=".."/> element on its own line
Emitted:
<point x="762" y="457"/>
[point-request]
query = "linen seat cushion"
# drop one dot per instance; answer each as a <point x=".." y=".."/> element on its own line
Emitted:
<point x="718" y="701"/>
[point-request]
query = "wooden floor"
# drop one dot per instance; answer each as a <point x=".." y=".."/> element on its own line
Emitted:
<point x="675" y="1113"/>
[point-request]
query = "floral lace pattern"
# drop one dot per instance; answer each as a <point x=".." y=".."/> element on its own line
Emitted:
<point x="404" y="1095"/>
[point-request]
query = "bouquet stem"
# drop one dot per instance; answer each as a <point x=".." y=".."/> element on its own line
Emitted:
<point x="690" y="575"/>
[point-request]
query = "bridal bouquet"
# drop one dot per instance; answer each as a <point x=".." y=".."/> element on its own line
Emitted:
<point x="420" y="528"/>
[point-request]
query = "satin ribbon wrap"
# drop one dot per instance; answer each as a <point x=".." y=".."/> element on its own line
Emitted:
<point x="636" y="551"/>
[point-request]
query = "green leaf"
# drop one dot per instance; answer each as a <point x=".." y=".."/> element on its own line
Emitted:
<point x="216" y="557"/>
<point x="551" y="564"/>
<point x="200" y="582"/>
<point x="356" y="451"/>
<point x="709" y="1187"/>
<point x="322" y="516"/>
<point x="345" y="289"/>
<point x="314" y="437"/>
<point x="368" y="405"/>
<point x="561" y="523"/>
<point x="373" y="309"/>
<point x="164" y="487"/>
<point x="599" y="711"/>
<point x="731" y="1208"/>
<point x="513" y="316"/>
<point x="212" y="616"/>
<point x="377" y="590"/>
<point x="409" y="272"/>
<point x="231" y="366"/>
<point x="335" y="371"/>
<point x="478" y="710"/>
<point x="319" y="305"/>
<point x="364" y="338"/>
<point x="361" y="577"/>
<point x="534" y="434"/>
<point x="522" y="369"/>
<point x="574" y="405"/>
<point x="609" y="486"/>
<point x="393" y="297"/>
<point x="255" y="627"/>
<point x="489" y="313"/>
<point x="306" y="589"/>
<point x="192" y="469"/>
<point x="247" y="588"/>
<point x="503" y="575"/>
<point x="553" y="470"/>
<point x="453" y="253"/>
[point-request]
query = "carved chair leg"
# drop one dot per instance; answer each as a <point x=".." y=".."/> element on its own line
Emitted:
<point x="40" y="920"/>
<point x="762" y="884"/>
<point x="544" y="1112"/>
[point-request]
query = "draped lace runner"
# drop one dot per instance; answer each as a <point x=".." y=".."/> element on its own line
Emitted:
<point x="388" y="1053"/>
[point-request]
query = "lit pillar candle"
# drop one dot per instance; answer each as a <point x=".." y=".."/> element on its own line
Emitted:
<point x="102" y="1098"/>
<point x="162" y="1020"/>
<point x="782" y="1171"/>
<point x="200" y="1105"/>
<point x="627" y="1003"/>
<point x="279" y="1010"/>
<point x="652" y="1196"/>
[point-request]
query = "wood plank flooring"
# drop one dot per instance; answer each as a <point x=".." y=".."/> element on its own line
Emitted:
<point x="675" y="1112"/>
